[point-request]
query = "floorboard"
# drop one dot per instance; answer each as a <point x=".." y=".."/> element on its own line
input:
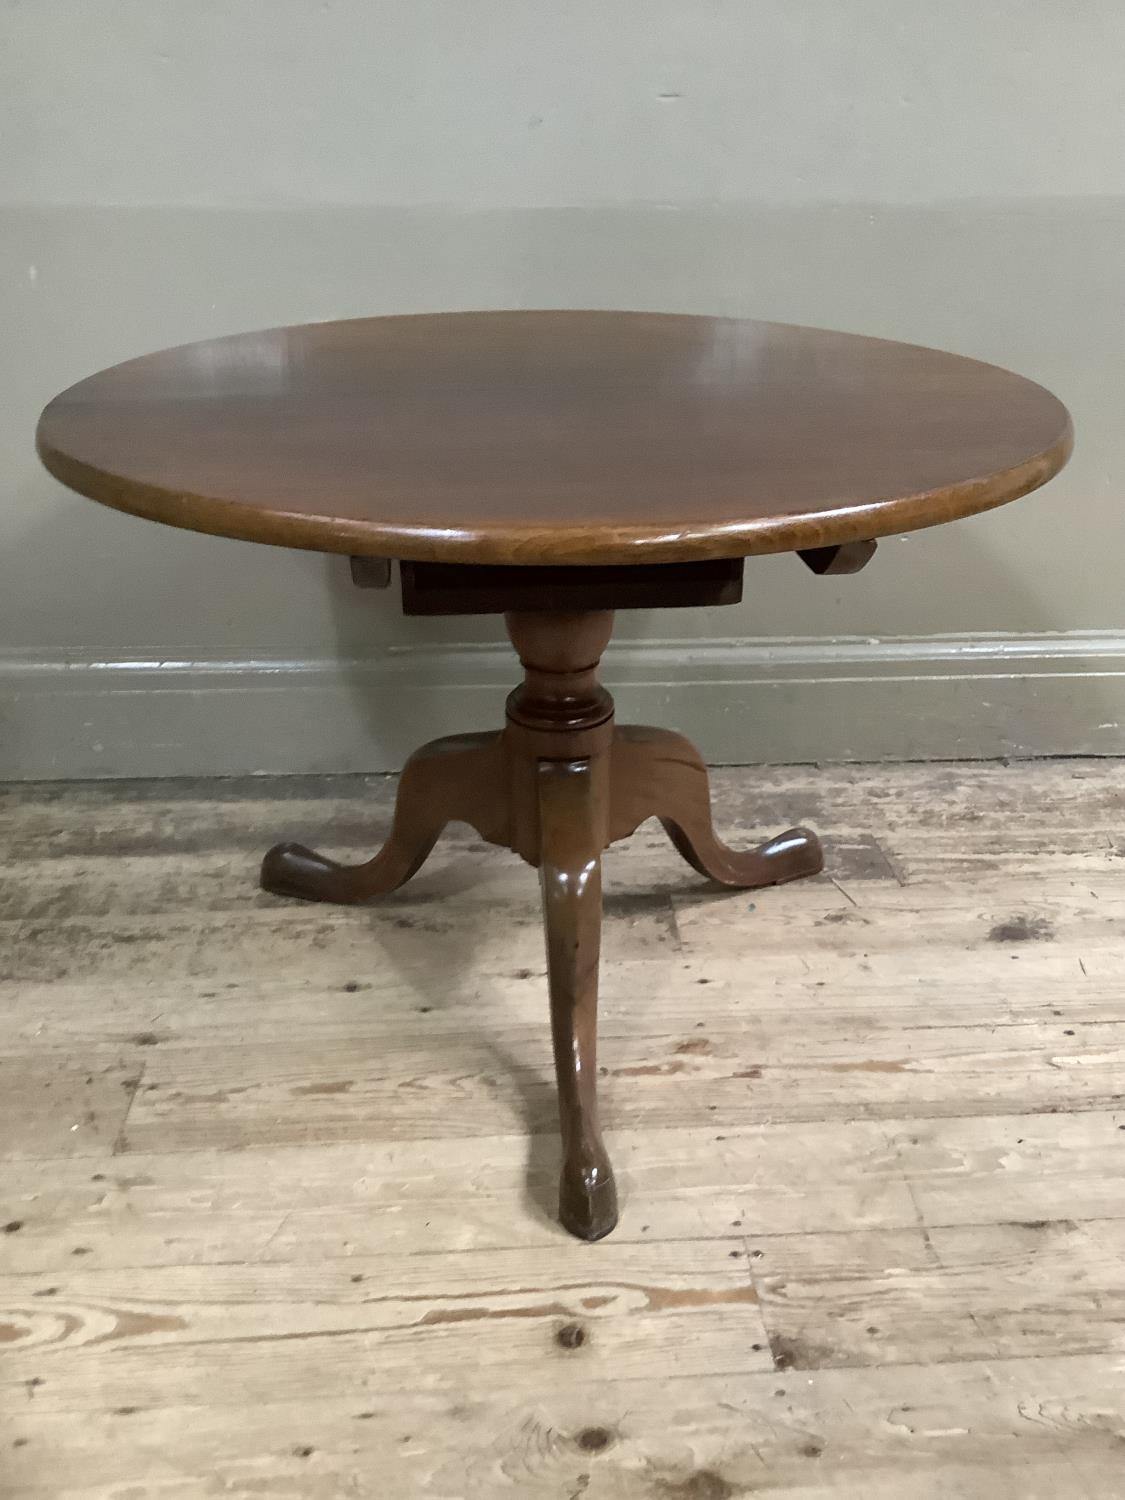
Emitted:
<point x="277" y="1182"/>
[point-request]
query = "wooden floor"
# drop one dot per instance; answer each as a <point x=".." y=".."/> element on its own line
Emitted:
<point x="277" y="1180"/>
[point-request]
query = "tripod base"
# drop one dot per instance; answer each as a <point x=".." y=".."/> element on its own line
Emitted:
<point x="557" y="785"/>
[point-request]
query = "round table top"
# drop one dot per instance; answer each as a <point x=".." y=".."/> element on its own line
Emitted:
<point x="553" y="437"/>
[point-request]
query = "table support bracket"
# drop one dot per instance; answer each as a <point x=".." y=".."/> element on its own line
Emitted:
<point x="845" y="557"/>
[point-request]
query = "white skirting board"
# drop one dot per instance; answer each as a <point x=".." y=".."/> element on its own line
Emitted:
<point x="744" y="702"/>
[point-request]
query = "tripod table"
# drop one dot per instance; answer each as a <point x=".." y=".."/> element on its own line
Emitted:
<point x="556" y="467"/>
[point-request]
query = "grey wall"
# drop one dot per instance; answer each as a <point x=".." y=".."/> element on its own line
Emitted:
<point x="949" y="174"/>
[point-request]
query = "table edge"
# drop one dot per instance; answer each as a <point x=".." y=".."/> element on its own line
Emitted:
<point x="582" y="545"/>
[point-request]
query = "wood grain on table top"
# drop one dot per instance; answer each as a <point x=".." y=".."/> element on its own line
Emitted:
<point x="553" y="437"/>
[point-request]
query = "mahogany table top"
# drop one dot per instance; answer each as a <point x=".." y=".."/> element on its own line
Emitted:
<point x="553" y="437"/>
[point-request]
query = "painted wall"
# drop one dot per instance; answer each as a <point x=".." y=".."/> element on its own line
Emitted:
<point x="949" y="174"/>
